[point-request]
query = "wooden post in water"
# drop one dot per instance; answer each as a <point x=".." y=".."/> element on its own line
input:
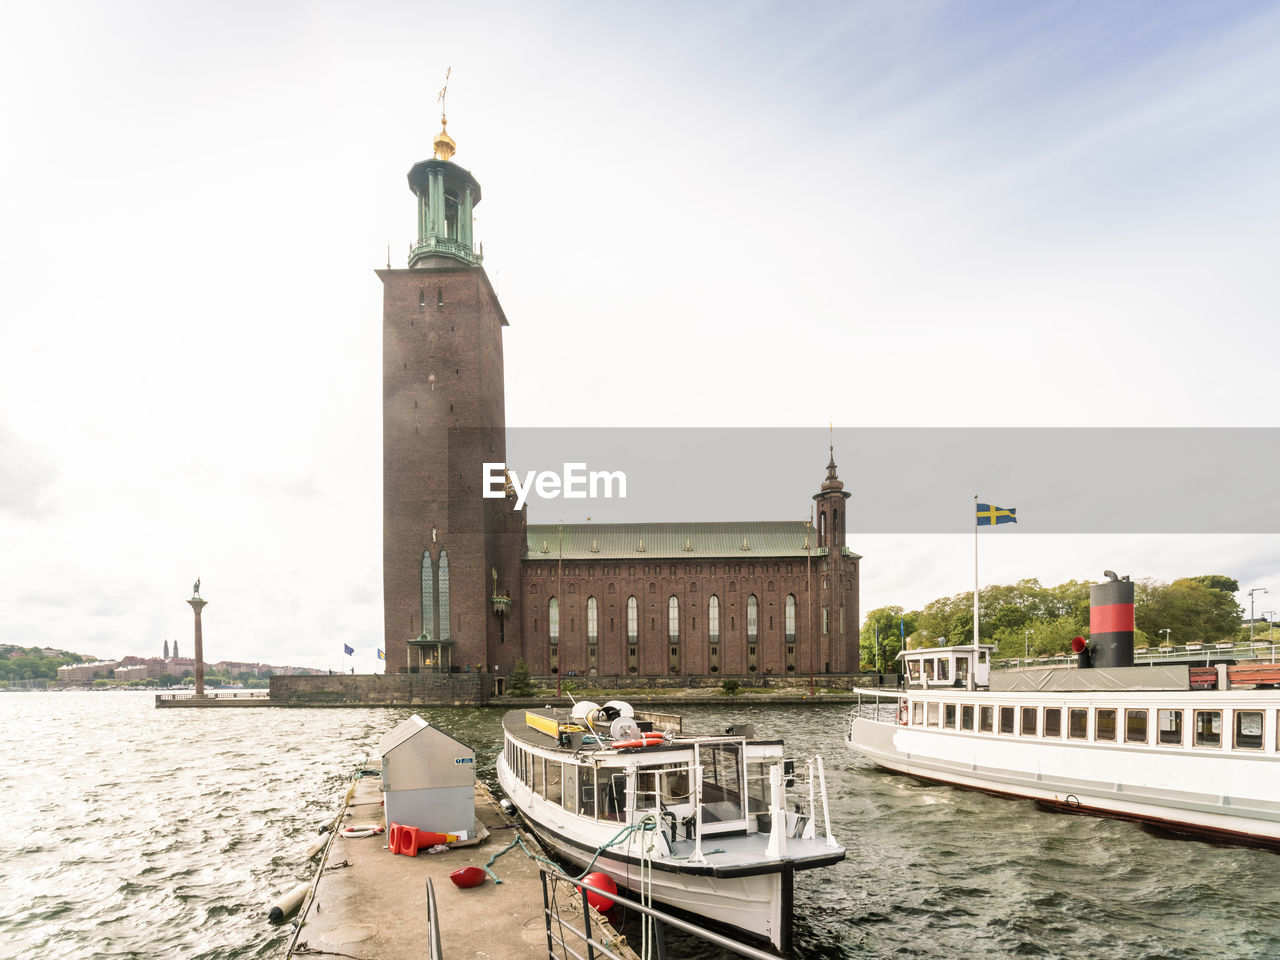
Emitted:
<point x="197" y="605"/>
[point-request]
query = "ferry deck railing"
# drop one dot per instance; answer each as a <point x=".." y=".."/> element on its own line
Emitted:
<point x="568" y="941"/>
<point x="878" y="705"/>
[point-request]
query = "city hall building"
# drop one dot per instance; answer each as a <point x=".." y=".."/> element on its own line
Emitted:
<point x="471" y="585"/>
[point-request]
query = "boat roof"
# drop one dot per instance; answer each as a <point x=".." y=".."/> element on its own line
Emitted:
<point x="515" y="723"/>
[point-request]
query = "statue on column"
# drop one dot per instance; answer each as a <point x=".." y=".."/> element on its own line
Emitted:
<point x="195" y="588"/>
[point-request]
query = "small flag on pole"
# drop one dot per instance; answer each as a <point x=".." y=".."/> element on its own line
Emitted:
<point x="990" y="516"/>
<point x="381" y="655"/>
<point x="348" y="650"/>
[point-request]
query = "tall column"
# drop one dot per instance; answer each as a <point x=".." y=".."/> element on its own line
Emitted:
<point x="197" y="605"/>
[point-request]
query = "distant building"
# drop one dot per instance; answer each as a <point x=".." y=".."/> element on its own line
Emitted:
<point x="134" y="673"/>
<point x="87" y="672"/>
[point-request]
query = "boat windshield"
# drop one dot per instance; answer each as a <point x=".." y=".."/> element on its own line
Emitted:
<point x="721" y="781"/>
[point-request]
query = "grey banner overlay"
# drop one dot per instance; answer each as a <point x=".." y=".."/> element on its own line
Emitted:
<point x="919" y="480"/>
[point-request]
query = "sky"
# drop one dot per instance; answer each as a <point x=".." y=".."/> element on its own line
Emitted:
<point x="712" y="214"/>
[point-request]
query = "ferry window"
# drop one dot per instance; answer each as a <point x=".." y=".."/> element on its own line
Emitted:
<point x="1169" y="726"/>
<point x="1208" y="728"/>
<point x="1078" y="723"/>
<point x="913" y="670"/>
<point x="587" y="791"/>
<point x="553" y="781"/>
<point x="645" y="789"/>
<point x="986" y="719"/>
<point x="1135" y="726"/>
<point x="982" y="656"/>
<point x="1104" y="724"/>
<point x="944" y="669"/>
<point x="962" y="670"/>
<point x="539" y="780"/>
<point x="928" y="669"/>
<point x="1029" y="721"/>
<point x="933" y="714"/>
<point x="917" y="713"/>
<point x="949" y="716"/>
<point x="1052" y="721"/>
<point x="966" y="716"/>
<point x="1248" y="730"/>
<point x="1006" y="719"/>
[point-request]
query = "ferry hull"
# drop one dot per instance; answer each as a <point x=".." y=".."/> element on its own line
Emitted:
<point x="1023" y="770"/>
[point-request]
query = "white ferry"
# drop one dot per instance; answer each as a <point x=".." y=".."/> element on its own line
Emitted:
<point x="1192" y="750"/>
<point x="712" y="825"/>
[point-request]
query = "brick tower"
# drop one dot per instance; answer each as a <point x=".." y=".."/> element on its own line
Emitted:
<point x="450" y="557"/>
<point x="837" y="634"/>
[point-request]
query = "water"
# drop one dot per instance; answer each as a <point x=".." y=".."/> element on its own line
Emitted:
<point x="131" y="832"/>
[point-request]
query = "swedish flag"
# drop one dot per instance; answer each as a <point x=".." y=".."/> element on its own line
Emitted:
<point x="989" y="516"/>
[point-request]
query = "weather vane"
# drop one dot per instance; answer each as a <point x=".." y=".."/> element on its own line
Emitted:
<point x="443" y="90"/>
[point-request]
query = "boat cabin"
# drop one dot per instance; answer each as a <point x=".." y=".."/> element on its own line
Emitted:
<point x="967" y="666"/>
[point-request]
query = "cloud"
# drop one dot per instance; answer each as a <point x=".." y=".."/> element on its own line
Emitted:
<point x="27" y="474"/>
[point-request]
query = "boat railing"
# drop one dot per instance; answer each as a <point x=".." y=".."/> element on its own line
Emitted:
<point x="878" y="705"/>
<point x="572" y="932"/>
<point x="434" y="950"/>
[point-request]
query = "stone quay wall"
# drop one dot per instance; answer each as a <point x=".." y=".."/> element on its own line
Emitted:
<point x="377" y="690"/>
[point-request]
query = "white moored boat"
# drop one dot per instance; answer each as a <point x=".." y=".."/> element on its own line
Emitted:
<point x="712" y="825"/>
<point x="1193" y="750"/>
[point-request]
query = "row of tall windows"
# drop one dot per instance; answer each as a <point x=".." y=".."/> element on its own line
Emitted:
<point x="673" y="618"/>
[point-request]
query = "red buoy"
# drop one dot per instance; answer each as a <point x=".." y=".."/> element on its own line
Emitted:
<point x="598" y="900"/>
<point x="468" y="877"/>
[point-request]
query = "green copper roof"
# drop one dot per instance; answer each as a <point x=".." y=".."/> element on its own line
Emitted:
<point x="672" y="541"/>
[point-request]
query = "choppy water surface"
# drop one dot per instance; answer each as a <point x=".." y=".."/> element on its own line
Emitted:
<point x="135" y="832"/>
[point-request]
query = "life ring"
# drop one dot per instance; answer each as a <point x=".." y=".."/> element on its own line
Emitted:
<point x="356" y="833"/>
<point x="902" y="711"/>
<point x="645" y="740"/>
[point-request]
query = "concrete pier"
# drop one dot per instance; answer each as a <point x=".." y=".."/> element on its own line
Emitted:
<point x="368" y="902"/>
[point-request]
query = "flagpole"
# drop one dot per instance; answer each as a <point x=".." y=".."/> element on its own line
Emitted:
<point x="975" y="571"/>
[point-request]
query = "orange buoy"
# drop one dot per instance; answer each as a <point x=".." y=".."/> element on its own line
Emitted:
<point x="468" y="877"/>
<point x="646" y="740"/>
<point x="598" y="900"/>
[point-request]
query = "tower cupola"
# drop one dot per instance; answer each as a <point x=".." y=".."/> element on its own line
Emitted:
<point x="446" y="194"/>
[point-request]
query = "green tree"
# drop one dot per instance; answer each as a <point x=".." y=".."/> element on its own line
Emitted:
<point x="1189" y="610"/>
<point x="520" y="683"/>
<point x="1217" y="581"/>
<point x="1047" y="638"/>
<point x="730" y="686"/>
<point x="885" y="624"/>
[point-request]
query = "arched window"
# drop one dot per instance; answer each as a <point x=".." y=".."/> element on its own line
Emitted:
<point x="444" y="595"/>
<point x="791" y="616"/>
<point x="422" y="297"/>
<point x="428" y="594"/>
<point x="633" y="618"/>
<point x="593" y="621"/>
<point x="673" y="619"/>
<point x="713" y="618"/>
<point x="553" y="619"/>
<point x="822" y="529"/>
<point x="835" y="526"/>
<point x="753" y="619"/>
